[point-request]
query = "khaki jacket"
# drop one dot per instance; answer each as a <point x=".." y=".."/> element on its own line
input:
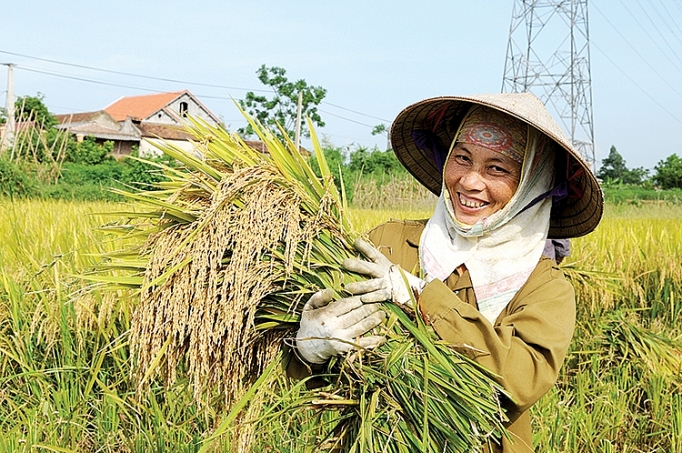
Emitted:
<point x="528" y="342"/>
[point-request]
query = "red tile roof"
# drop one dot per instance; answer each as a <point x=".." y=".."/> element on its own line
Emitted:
<point x="166" y="131"/>
<point x="71" y="118"/>
<point x="141" y="107"/>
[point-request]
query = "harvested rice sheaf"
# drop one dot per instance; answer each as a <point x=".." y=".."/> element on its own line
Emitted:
<point x="235" y="241"/>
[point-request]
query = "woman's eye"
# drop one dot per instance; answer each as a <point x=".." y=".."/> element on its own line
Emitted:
<point x="497" y="169"/>
<point x="461" y="159"/>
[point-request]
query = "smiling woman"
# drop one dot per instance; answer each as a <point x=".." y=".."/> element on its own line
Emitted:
<point x="508" y="179"/>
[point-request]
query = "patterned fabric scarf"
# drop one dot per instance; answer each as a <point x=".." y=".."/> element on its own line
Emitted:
<point x="496" y="131"/>
<point x="499" y="251"/>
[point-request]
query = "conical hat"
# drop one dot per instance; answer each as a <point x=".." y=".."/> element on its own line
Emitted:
<point x="576" y="214"/>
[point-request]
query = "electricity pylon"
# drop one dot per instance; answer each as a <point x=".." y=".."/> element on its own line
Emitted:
<point x="548" y="54"/>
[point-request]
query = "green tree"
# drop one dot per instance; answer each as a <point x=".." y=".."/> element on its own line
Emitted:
<point x="637" y="176"/>
<point x="89" y="152"/>
<point x="32" y="108"/>
<point x="380" y="129"/>
<point x="282" y="108"/>
<point x="142" y="173"/>
<point x="371" y="161"/>
<point x="38" y="141"/>
<point x="359" y="160"/>
<point x="614" y="169"/>
<point x="669" y="172"/>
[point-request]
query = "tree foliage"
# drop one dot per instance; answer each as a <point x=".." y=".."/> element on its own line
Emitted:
<point x="33" y="109"/>
<point x="614" y="169"/>
<point x="40" y="145"/>
<point x="357" y="163"/>
<point x="14" y="182"/>
<point x="37" y="140"/>
<point x="669" y="172"/>
<point x="380" y="129"/>
<point x="89" y="152"/>
<point x="282" y="108"/>
<point x="371" y="161"/>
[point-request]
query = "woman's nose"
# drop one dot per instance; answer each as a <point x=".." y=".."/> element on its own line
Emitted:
<point x="472" y="180"/>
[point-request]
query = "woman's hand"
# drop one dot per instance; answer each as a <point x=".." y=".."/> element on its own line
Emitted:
<point x="389" y="281"/>
<point x="329" y="328"/>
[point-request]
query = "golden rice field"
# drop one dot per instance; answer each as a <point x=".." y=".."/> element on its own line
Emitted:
<point x="65" y="381"/>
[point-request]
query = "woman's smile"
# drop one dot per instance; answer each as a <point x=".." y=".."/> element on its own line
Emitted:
<point x="470" y="202"/>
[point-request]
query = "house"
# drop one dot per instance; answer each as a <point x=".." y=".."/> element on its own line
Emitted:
<point x="140" y="121"/>
<point x="161" y="108"/>
<point x="103" y="128"/>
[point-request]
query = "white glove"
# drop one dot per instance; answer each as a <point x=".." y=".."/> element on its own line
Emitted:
<point x="330" y="328"/>
<point x="389" y="280"/>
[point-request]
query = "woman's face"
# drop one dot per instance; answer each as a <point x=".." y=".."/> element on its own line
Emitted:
<point x="480" y="181"/>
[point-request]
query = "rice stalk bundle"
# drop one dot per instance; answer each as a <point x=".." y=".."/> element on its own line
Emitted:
<point x="232" y="244"/>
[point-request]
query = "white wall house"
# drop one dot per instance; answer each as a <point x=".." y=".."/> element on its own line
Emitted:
<point x="141" y="121"/>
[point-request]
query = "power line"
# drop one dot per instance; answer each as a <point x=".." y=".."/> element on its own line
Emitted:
<point x="355" y="111"/>
<point x="677" y="4"/>
<point x="636" y="84"/>
<point x="109" y="71"/>
<point x="663" y="18"/>
<point x="657" y="27"/>
<point x="99" y="82"/>
<point x="118" y="85"/>
<point x="82" y="79"/>
<point x="347" y="119"/>
<point x="650" y="37"/>
<point x="638" y="53"/>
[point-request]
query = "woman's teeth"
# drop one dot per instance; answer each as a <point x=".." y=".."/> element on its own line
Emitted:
<point x="471" y="204"/>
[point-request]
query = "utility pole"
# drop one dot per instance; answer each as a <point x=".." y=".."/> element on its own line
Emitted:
<point x="8" y="137"/>
<point x="548" y="54"/>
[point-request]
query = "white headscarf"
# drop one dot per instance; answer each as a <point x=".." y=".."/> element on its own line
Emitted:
<point x="499" y="251"/>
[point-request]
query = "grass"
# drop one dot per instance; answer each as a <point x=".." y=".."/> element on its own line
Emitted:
<point x="65" y="366"/>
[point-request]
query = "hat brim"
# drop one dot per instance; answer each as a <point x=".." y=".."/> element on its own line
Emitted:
<point x="575" y="215"/>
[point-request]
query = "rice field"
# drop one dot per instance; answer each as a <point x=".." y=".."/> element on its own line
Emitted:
<point x="65" y="368"/>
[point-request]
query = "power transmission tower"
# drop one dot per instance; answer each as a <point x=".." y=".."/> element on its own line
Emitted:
<point x="548" y="54"/>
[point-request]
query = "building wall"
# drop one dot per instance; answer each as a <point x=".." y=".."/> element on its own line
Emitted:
<point x="121" y="148"/>
<point x="193" y="109"/>
<point x="148" y="148"/>
<point x="161" y="117"/>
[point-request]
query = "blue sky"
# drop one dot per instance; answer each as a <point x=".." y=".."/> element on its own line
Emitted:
<point x="373" y="57"/>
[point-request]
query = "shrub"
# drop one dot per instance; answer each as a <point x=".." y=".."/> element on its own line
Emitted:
<point x="638" y="194"/>
<point x="13" y="180"/>
<point x="104" y="173"/>
<point x="89" y="151"/>
<point x="140" y="173"/>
